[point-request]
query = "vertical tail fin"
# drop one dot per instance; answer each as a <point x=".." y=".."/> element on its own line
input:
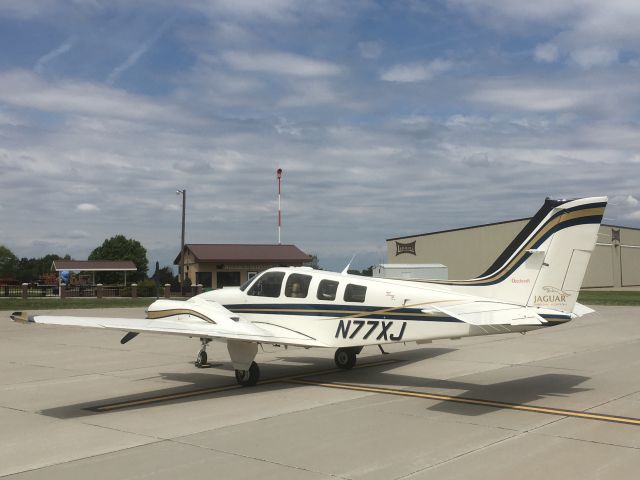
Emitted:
<point x="545" y="264"/>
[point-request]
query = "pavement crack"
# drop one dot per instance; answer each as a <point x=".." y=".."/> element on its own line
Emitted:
<point x="251" y="457"/>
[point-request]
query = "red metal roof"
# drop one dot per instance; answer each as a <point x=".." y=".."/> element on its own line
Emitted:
<point x="207" y="252"/>
<point x="94" y="265"/>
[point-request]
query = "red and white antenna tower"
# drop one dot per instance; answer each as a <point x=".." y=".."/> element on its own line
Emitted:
<point x="279" y="174"/>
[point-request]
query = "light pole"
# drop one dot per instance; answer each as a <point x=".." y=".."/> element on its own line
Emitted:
<point x="279" y="175"/>
<point x="182" y="192"/>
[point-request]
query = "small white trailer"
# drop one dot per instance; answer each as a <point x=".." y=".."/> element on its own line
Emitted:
<point x="412" y="271"/>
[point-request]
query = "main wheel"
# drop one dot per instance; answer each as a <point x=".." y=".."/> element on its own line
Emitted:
<point x="345" y="358"/>
<point x="201" y="361"/>
<point x="249" y="377"/>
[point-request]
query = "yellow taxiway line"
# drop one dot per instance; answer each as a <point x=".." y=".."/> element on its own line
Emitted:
<point x="473" y="401"/>
<point x="204" y="391"/>
<point x="303" y="379"/>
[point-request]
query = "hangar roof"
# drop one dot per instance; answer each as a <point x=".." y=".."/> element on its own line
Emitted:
<point x="222" y="252"/>
<point x="526" y="219"/>
<point x="458" y="229"/>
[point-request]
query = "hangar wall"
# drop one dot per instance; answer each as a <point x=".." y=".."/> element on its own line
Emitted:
<point x="468" y="252"/>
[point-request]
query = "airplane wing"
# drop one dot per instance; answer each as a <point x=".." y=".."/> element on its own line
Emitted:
<point x="492" y="314"/>
<point x="192" y="318"/>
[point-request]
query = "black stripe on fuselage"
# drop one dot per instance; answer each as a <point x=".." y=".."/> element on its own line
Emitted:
<point x="340" y="311"/>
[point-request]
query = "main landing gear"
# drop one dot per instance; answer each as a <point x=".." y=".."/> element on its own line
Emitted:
<point x="242" y="355"/>
<point x="345" y="358"/>
<point x="201" y="359"/>
<point x="248" y="378"/>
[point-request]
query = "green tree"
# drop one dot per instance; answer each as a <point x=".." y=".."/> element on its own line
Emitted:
<point x="166" y="275"/>
<point x="31" y="269"/>
<point x="314" y="262"/>
<point x="121" y="248"/>
<point x="8" y="263"/>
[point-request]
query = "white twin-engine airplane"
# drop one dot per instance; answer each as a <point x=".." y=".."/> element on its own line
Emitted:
<point x="532" y="284"/>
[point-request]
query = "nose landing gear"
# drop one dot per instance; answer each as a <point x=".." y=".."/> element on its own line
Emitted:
<point x="201" y="359"/>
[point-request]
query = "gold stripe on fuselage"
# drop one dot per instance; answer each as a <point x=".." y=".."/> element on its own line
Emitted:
<point x="177" y="311"/>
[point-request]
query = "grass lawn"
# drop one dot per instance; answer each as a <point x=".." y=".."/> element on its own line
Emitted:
<point x="29" y="304"/>
<point x="595" y="297"/>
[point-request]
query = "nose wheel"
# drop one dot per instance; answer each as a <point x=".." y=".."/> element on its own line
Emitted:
<point x="201" y="359"/>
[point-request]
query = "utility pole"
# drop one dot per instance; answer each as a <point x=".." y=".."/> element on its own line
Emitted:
<point x="182" y="192"/>
<point x="279" y="175"/>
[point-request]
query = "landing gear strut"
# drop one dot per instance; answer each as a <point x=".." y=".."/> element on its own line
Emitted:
<point x="249" y="377"/>
<point x="345" y="358"/>
<point x="201" y="359"/>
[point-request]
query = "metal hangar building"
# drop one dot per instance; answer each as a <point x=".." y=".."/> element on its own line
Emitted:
<point x="467" y="252"/>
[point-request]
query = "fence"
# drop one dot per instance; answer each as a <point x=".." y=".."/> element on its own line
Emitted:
<point x="31" y="291"/>
<point x="95" y="291"/>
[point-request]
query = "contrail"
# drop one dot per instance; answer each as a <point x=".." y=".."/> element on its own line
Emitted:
<point x="42" y="61"/>
<point x="133" y="58"/>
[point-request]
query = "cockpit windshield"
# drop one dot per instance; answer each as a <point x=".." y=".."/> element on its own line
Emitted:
<point x="244" y="286"/>
<point x="268" y="285"/>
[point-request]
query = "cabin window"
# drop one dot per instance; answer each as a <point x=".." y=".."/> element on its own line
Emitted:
<point x="355" y="293"/>
<point x="297" y="285"/>
<point x="268" y="285"/>
<point x="327" y="290"/>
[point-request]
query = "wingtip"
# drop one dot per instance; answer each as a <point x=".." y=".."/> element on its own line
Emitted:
<point x="21" y="317"/>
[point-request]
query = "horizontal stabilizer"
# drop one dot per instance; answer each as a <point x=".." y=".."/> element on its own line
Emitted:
<point x="492" y="313"/>
<point x="580" y="310"/>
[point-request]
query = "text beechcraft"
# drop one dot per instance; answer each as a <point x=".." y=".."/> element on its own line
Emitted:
<point x="533" y="284"/>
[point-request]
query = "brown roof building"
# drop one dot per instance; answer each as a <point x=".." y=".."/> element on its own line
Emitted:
<point x="221" y="265"/>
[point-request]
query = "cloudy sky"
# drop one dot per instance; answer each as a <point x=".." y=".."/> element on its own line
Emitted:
<point x="388" y="118"/>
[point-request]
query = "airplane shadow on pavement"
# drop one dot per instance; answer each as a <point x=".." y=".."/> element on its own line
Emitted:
<point x="218" y="382"/>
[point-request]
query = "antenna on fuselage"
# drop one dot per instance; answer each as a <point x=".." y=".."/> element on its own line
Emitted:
<point x="346" y="269"/>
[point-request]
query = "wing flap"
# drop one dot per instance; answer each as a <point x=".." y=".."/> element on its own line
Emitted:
<point x="191" y="319"/>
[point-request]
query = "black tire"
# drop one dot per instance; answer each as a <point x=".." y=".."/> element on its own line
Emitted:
<point x="201" y="361"/>
<point x="345" y="358"/>
<point x="248" y="378"/>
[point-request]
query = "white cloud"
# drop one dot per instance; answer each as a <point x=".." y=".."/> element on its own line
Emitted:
<point x="594" y="57"/>
<point x="631" y="201"/>
<point x="27" y="8"/>
<point x="25" y="89"/>
<point x="87" y="207"/>
<point x="519" y="96"/>
<point x="79" y="234"/>
<point x="416" y="72"/>
<point x="593" y="32"/>
<point x="310" y="94"/>
<point x="546" y="52"/>
<point x="279" y="63"/>
<point x="279" y="10"/>
<point x="218" y="126"/>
